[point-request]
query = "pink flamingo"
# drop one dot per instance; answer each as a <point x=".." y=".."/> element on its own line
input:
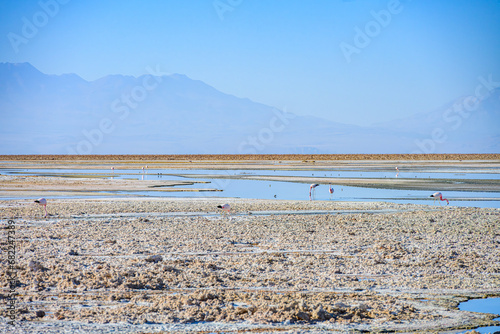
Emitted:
<point x="397" y="170"/>
<point x="225" y="208"/>
<point x="311" y="188"/>
<point x="440" y="196"/>
<point x="42" y="202"/>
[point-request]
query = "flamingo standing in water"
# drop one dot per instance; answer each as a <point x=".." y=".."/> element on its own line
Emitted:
<point x="42" y="202"/>
<point x="437" y="195"/>
<point x="397" y="170"/>
<point x="225" y="208"/>
<point x="311" y="189"/>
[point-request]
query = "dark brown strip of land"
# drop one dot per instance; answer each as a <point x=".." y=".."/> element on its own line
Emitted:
<point x="260" y="157"/>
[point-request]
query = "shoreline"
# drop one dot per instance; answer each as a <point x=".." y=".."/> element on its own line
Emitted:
<point x="252" y="157"/>
<point x="79" y="181"/>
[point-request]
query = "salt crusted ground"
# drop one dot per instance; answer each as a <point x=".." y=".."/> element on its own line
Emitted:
<point x="145" y="265"/>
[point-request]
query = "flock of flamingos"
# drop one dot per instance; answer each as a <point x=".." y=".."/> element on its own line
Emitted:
<point x="226" y="208"/>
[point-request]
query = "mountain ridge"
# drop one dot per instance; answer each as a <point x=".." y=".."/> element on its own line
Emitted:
<point x="174" y="114"/>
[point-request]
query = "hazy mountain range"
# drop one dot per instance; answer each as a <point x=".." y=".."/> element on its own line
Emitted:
<point x="173" y="114"/>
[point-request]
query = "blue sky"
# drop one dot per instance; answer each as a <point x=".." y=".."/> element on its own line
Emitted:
<point x="415" y="56"/>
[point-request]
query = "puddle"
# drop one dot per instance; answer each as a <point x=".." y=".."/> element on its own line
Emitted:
<point x="486" y="305"/>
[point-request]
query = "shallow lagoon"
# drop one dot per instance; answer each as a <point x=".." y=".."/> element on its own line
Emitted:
<point x="434" y="173"/>
<point x="229" y="185"/>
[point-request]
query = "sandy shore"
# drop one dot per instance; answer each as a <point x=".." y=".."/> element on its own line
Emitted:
<point x="149" y="265"/>
<point x="26" y="186"/>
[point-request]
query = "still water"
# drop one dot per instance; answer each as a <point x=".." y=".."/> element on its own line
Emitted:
<point x="487" y="305"/>
<point x="257" y="189"/>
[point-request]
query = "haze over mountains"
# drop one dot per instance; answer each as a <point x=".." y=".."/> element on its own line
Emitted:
<point x="173" y="114"/>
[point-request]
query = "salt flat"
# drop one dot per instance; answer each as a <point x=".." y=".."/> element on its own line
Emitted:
<point x="395" y="267"/>
<point x="176" y="264"/>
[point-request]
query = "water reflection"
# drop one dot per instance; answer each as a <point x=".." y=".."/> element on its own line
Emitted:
<point x="258" y="189"/>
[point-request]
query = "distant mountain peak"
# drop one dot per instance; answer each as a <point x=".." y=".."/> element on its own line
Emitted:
<point x="17" y="67"/>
